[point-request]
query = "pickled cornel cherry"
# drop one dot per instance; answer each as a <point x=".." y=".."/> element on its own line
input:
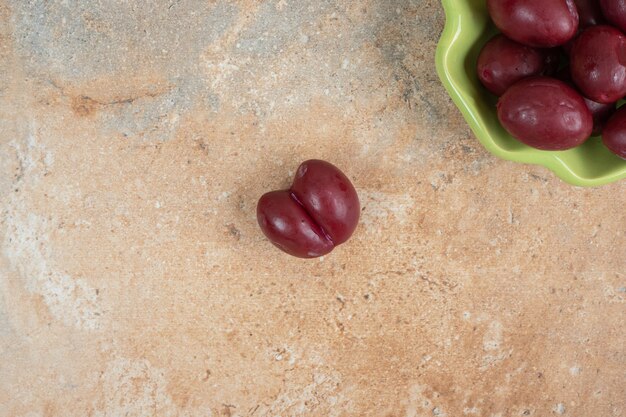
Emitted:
<point x="319" y="211"/>
<point x="539" y="23"/>
<point x="502" y="62"/>
<point x="598" y="63"/>
<point x="545" y="113"/>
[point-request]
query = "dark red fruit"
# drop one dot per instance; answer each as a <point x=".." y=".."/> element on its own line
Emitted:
<point x="589" y="13"/>
<point x="614" y="133"/>
<point x="502" y="62"/>
<point x="545" y="113"/>
<point x="319" y="211"/>
<point x="538" y="23"/>
<point x="598" y="63"/>
<point x="615" y="12"/>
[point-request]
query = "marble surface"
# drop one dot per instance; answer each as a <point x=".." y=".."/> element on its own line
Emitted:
<point x="135" y="140"/>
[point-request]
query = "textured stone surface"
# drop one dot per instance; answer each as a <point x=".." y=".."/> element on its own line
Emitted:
<point x="135" y="139"/>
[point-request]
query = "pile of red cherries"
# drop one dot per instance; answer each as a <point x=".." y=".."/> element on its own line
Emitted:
<point x="547" y="105"/>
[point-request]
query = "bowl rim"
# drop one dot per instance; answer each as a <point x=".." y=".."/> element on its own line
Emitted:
<point x="450" y="35"/>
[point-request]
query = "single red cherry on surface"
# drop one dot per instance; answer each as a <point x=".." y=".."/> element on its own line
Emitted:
<point x="320" y="211"/>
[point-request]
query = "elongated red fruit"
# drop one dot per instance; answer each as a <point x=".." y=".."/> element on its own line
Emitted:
<point x="598" y="63"/>
<point x="538" y="23"/>
<point x="502" y="62"/>
<point x="545" y="113"/>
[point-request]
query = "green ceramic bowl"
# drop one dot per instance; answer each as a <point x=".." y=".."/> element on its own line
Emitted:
<point x="467" y="29"/>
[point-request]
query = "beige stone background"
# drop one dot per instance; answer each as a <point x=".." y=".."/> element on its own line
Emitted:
<point x="135" y="139"/>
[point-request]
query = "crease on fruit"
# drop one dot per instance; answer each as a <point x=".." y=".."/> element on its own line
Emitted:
<point x="296" y="200"/>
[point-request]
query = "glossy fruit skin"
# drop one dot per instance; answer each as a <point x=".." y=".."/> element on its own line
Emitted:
<point x="288" y="226"/>
<point x="545" y="113"/>
<point x="600" y="112"/>
<point x="589" y="13"/>
<point x="320" y="211"/>
<point x="329" y="197"/>
<point x="502" y="62"/>
<point x="598" y="63"/>
<point x="614" y="133"/>
<point x="538" y="23"/>
<point x="615" y="12"/>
